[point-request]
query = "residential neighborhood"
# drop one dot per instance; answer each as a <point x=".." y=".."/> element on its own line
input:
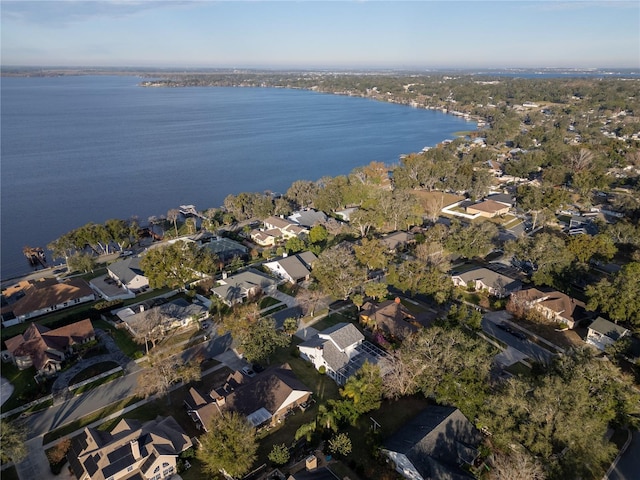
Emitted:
<point x="469" y="312"/>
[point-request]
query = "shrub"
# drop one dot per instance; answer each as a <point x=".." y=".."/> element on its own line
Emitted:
<point x="279" y="454"/>
<point x="57" y="455"/>
<point x="322" y="370"/>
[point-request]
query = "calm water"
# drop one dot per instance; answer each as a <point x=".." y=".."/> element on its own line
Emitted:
<point x="81" y="149"/>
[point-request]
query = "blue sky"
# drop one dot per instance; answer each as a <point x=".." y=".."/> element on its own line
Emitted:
<point x="321" y="34"/>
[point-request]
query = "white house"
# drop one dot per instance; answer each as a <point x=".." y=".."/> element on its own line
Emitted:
<point x="602" y="333"/>
<point x="332" y="348"/>
<point x="484" y="279"/>
<point x="128" y="273"/>
<point x="293" y="268"/>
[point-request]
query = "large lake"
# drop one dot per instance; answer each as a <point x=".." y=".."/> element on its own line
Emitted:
<point x="81" y="149"/>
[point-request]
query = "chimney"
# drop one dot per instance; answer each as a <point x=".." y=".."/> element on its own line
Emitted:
<point x="311" y="463"/>
<point x="135" y="449"/>
<point x="141" y="308"/>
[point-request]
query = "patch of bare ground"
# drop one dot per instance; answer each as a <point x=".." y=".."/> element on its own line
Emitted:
<point x="554" y="333"/>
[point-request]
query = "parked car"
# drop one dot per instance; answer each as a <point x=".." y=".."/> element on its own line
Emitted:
<point x="515" y="333"/>
<point x="248" y="371"/>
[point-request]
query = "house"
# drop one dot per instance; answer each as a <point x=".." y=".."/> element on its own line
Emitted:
<point x="495" y="283"/>
<point x="553" y="305"/>
<point x="174" y="314"/>
<point x="131" y="450"/>
<point x="504" y="198"/>
<point x="308" y="217"/>
<point x="488" y="209"/>
<point x="225" y="248"/>
<point x="46" y="349"/>
<point x="265" y="238"/>
<point x="397" y="240"/>
<point x="340" y="351"/>
<point x="434" y="445"/>
<point x="602" y="333"/>
<point x="286" y="228"/>
<point x="345" y="214"/>
<point x="32" y="298"/>
<point x="390" y="317"/>
<point x="265" y="399"/>
<point x="237" y="288"/>
<point x="127" y="272"/>
<point x="293" y="268"/>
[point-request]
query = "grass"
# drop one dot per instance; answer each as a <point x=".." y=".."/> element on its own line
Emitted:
<point x="121" y="337"/>
<point x="97" y="383"/>
<point x="92" y="371"/>
<point x="88" y="419"/>
<point x="25" y="387"/>
<point x="268" y="302"/>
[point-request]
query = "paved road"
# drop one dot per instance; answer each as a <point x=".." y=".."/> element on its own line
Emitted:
<point x="534" y="352"/>
<point x="44" y="421"/>
<point x="628" y="466"/>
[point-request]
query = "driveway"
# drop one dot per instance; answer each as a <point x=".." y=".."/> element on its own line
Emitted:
<point x="531" y="350"/>
<point x="61" y="383"/>
<point x="6" y="389"/>
<point x="628" y="466"/>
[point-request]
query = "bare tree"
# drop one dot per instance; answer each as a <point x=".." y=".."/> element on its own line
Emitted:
<point x="517" y="465"/>
<point x="164" y="372"/>
<point x="149" y="327"/>
<point x="581" y="160"/>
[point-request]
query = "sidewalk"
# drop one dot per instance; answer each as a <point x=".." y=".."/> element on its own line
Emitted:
<point x="35" y="466"/>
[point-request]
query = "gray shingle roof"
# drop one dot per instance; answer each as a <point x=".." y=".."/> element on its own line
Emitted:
<point x="127" y="269"/>
<point x="605" y="327"/>
<point x="343" y="334"/>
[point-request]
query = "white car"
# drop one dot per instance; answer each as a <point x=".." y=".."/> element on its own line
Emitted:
<point x="248" y="371"/>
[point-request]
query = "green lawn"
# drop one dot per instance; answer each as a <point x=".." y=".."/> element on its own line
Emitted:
<point x="25" y="387"/>
<point x="121" y="337"/>
<point x="92" y="371"/>
<point x="268" y="302"/>
<point x="335" y="318"/>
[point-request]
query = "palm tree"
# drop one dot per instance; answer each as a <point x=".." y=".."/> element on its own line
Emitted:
<point x="172" y="215"/>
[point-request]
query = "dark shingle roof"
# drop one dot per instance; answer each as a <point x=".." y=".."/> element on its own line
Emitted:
<point x="436" y="441"/>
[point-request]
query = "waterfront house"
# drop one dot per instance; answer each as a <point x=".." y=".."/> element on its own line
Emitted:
<point x="293" y="268"/>
<point x="603" y="333"/>
<point x="265" y="399"/>
<point x="436" y="444"/>
<point x="308" y="217"/>
<point x="131" y="450"/>
<point x="32" y="298"/>
<point x="283" y="229"/>
<point x="127" y="273"/>
<point x="46" y="349"/>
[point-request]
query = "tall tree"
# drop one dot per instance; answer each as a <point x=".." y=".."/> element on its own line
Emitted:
<point x="175" y="264"/>
<point x="374" y="254"/>
<point x="172" y="216"/>
<point x="338" y="272"/>
<point x="263" y="339"/>
<point x="229" y="446"/>
<point x="165" y="371"/>
<point x="618" y="297"/>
